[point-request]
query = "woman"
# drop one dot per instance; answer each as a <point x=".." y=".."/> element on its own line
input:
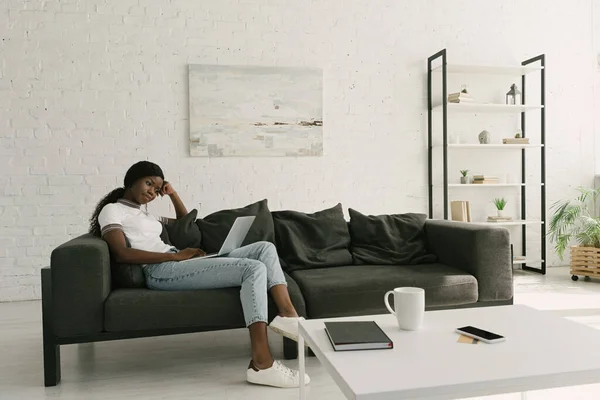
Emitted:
<point x="254" y="267"/>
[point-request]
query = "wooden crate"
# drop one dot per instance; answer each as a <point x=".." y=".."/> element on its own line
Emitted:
<point x="585" y="261"/>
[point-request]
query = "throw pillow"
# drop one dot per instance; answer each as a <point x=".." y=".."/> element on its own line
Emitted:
<point x="127" y="276"/>
<point x="396" y="239"/>
<point x="214" y="227"/>
<point x="313" y="240"/>
<point x="131" y="275"/>
<point x="184" y="232"/>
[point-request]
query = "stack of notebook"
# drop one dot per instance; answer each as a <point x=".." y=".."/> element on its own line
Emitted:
<point x="515" y="141"/>
<point x="484" y="179"/>
<point x="494" y="218"/>
<point x="460" y="97"/>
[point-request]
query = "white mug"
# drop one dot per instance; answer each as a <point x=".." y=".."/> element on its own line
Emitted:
<point x="409" y="303"/>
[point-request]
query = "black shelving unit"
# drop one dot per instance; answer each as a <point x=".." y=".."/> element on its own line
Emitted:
<point x="540" y="62"/>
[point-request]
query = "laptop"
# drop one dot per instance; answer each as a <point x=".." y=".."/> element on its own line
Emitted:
<point x="234" y="238"/>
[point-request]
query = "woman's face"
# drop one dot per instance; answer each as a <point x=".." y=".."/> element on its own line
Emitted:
<point x="145" y="189"/>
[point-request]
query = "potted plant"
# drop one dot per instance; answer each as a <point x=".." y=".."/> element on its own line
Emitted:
<point x="500" y="204"/>
<point x="464" y="178"/>
<point x="577" y="220"/>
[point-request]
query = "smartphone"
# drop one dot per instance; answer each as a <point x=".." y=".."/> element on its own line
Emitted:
<point x="484" y="336"/>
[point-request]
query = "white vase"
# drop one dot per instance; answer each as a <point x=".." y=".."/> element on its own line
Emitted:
<point x="501" y="213"/>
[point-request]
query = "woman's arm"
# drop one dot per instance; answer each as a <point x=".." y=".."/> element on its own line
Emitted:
<point x="126" y="255"/>
<point x="167" y="189"/>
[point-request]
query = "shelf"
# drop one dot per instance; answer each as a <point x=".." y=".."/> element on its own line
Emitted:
<point x="470" y="185"/>
<point x="510" y="223"/>
<point x="487" y="69"/>
<point x="493" y="146"/>
<point x="487" y="185"/>
<point x="527" y="261"/>
<point x="488" y="108"/>
<point x="442" y="114"/>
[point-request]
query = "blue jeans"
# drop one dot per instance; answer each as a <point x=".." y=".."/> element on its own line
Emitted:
<point x="254" y="267"/>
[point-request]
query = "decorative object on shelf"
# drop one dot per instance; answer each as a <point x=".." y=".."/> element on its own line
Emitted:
<point x="464" y="178"/>
<point x="500" y="203"/>
<point x="460" y="211"/>
<point x="577" y="220"/>
<point x="464" y="88"/>
<point x="484" y="137"/>
<point x="518" y="134"/>
<point x="513" y="97"/>
<point x="515" y="140"/>
<point x="485" y="179"/>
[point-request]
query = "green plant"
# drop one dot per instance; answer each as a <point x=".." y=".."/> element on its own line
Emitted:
<point x="517" y="135"/>
<point x="464" y="172"/>
<point x="500" y="203"/>
<point x="575" y="220"/>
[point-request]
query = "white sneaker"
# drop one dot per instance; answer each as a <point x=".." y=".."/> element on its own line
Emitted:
<point x="278" y="376"/>
<point x="286" y="326"/>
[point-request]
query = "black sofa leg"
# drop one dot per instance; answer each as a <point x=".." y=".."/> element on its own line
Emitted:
<point x="51" y="364"/>
<point x="51" y="348"/>
<point x="290" y="349"/>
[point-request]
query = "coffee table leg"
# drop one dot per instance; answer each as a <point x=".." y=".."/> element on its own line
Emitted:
<point x="302" y="366"/>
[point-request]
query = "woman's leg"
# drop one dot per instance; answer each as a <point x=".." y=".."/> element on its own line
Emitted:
<point x="261" y="353"/>
<point x="251" y="275"/>
<point x="267" y="254"/>
<point x="214" y="273"/>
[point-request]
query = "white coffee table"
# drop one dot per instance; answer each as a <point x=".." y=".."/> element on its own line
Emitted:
<point x="540" y="352"/>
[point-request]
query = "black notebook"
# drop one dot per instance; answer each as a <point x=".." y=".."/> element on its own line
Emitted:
<point x="357" y="335"/>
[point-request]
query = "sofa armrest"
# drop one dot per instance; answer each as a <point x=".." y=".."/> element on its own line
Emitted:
<point x="481" y="250"/>
<point x="81" y="282"/>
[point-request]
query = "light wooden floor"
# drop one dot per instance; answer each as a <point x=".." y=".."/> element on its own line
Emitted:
<point x="212" y="365"/>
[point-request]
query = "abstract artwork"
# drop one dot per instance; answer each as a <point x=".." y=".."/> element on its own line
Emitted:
<point x="255" y="111"/>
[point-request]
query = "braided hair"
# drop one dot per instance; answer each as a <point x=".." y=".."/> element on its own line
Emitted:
<point x="135" y="172"/>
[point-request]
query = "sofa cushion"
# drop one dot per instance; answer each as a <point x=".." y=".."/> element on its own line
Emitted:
<point x="359" y="289"/>
<point x="396" y="239"/>
<point x="146" y="309"/>
<point x="131" y="275"/>
<point x="216" y="226"/>
<point x="313" y="240"/>
<point x="184" y="233"/>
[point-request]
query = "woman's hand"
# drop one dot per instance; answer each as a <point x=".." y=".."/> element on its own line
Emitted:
<point x="167" y="189"/>
<point x="188" y="253"/>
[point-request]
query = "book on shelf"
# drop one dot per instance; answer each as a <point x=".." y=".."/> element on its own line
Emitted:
<point x="484" y="179"/>
<point x="460" y="211"/>
<point x="460" y="98"/>
<point x="493" y="218"/>
<point x="515" y="141"/>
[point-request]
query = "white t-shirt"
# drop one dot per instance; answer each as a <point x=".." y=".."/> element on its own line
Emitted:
<point x="141" y="229"/>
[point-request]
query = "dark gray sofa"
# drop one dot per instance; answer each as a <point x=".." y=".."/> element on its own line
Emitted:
<point x="80" y="303"/>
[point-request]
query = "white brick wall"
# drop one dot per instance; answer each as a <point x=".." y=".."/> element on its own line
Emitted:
<point x="87" y="87"/>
